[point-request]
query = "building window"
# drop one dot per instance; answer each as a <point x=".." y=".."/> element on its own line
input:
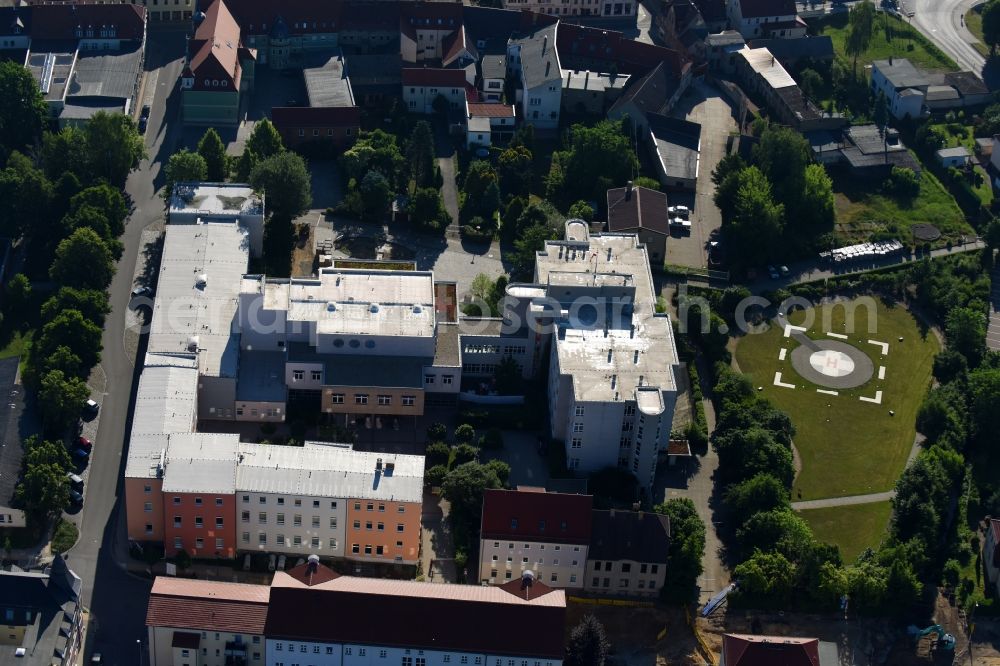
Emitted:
<point x="576" y="443"/>
<point x="178" y="543"/>
<point x="368" y="549"/>
<point x="148" y="507"/>
<point x="578" y="427"/>
<point x="297" y="375"/>
<point x="262" y="538"/>
<point x="219" y="544"/>
<point x="337" y="398"/>
<point x="245" y="537"/>
<point x="361" y="398"/>
<point x="316" y="375"/>
<point x="218" y="521"/>
<point x="297" y="520"/>
<point x="385" y="400"/>
<point x="399" y="527"/>
<point x="513" y="523"/>
<point x="428" y="379"/>
<point x="408" y="401"/>
<point x="579" y="410"/>
<point x="355" y="548"/>
<point x="447" y="379"/>
<point x="218" y="501"/>
<point x="177" y="501"/>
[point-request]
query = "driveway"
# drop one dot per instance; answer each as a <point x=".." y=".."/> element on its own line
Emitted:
<point x="702" y="104"/>
<point x="117" y="601"/>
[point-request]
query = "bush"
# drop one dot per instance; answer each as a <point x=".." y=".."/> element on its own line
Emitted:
<point x="65" y="536"/>
<point x="492" y="440"/>
<point x="437" y="432"/>
<point x="437" y="453"/>
<point x="483" y="235"/>
<point x="435" y="475"/>
<point x="465" y="433"/>
<point x="902" y="182"/>
<point x="464" y="453"/>
<point x="951" y="573"/>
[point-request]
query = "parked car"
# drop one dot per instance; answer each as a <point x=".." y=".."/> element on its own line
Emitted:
<point x="82" y="455"/>
<point x="141" y="291"/>
<point x="679" y="211"/>
<point x="75" y="481"/>
<point x="84" y="443"/>
<point x="784" y="270"/>
<point x="680" y="223"/>
<point x="772" y="272"/>
<point x="75" y="497"/>
<point x="91" y="407"/>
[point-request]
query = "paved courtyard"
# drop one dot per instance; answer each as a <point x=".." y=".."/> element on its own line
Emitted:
<point x="703" y="104"/>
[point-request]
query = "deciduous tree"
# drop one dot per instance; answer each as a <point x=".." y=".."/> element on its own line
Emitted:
<point x="24" y="113"/>
<point x="114" y="146"/>
<point x="284" y="179"/>
<point x="83" y="260"/>
<point x="212" y="150"/>
<point x="588" y="644"/>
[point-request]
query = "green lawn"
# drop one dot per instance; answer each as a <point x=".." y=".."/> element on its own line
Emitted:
<point x="852" y="528"/>
<point x="65" y="536"/>
<point x="848" y="447"/>
<point x="862" y="212"/>
<point x="974" y="22"/>
<point x="891" y="37"/>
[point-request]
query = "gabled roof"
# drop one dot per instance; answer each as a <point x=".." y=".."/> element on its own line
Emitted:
<point x="747" y="650"/>
<point x="629" y="535"/>
<point x="535" y="515"/>
<point x="479" y="110"/>
<point x="539" y="56"/>
<point x="216" y="46"/>
<point x="901" y="73"/>
<point x="388" y="612"/>
<point x="651" y="92"/>
<point x="762" y="8"/>
<point x="208" y="605"/>
<point x="637" y="208"/>
<point x="453" y="45"/>
<point x="430" y="76"/>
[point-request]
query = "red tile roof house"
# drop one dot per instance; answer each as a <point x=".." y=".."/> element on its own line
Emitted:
<point x="219" y="69"/>
<point x="641" y="211"/>
<point x="991" y="552"/>
<point x="311" y="610"/>
<point x="423" y="85"/>
<point x="486" y="124"/>
<point x="529" y="529"/>
<point x="747" y="650"/>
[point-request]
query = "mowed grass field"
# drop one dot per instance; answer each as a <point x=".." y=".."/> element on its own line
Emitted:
<point x="891" y="37"/>
<point x="853" y="528"/>
<point x="846" y="446"/>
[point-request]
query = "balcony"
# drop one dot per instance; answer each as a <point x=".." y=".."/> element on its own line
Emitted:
<point x="236" y="654"/>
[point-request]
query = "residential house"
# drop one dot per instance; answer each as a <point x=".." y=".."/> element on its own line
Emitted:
<point x="971" y="90"/>
<point x="721" y="49"/>
<point x="587" y="92"/>
<point x="219" y="69"/>
<point x="748" y="650"/>
<point x="628" y="553"/>
<point x="423" y="85"/>
<point x="600" y="50"/>
<point x="42" y="616"/>
<point x="902" y="84"/>
<point x="958" y="157"/>
<point x="531" y="530"/>
<point x="869" y="152"/>
<point x="713" y="13"/>
<point x="641" y="211"/>
<point x="430" y="31"/>
<point x="492" y="77"/>
<point x="679" y="25"/>
<point x="487" y="124"/>
<point x="675" y="147"/>
<point x="991" y="554"/>
<point x="534" y="61"/>
<point x="190" y="621"/>
<point x="656" y="92"/>
<point x="346" y="621"/>
<point x="765" y="18"/>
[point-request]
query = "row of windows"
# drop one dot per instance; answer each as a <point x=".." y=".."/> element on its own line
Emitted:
<point x="380" y="527"/>
<point x="329" y="132"/>
<point x="406" y="660"/>
<point x="198" y="501"/>
<point x="315" y="375"/>
<point x="622" y="583"/>
<point x="527" y="546"/>
<point x="553" y="578"/>
<point x="296" y="540"/>
<point x="445" y="379"/>
<point x="199" y="522"/>
<point x="268" y="411"/>
<point x="480" y="368"/>
<point x="626" y="567"/>
<point x="539" y="562"/>
<point x="199" y="543"/>
<point x="280" y="501"/>
<point x="383" y="400"/>
<point x="280" y="519"/>
<point x="376" y="550"/>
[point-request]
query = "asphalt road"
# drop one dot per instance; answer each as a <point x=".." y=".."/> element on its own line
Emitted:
<point x="941" y="21"/>
<point x="117" y="601"/>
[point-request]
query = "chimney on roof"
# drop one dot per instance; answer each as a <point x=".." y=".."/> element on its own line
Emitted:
<point x="312" y="566"/>
<point x="378" y="464"/>
<point x="527" y="579"/>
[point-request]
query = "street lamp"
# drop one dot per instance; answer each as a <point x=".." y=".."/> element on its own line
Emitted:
<point x="138" y="649"/>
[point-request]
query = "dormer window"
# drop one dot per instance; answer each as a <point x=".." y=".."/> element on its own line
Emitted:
<point x="208" y="83"/>
<point x="224" y="83"/>
<point x="90" y="32"/>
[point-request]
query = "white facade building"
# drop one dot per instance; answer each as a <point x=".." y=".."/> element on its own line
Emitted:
<point x="765" y="18"/>
<point x="193" y="203"/>
<point x="534" y="59"/>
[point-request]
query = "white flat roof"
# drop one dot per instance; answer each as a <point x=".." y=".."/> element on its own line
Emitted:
<point x="357" y="301"/>
<point x="638" y="351"/>
<point x="197" y="294"/>
<point x="166" y="402"/>
<point x="217" y="199"/>
<point x="201" y="463"/>
<point x="765" y="64"/>
<point x="324" y="470"/>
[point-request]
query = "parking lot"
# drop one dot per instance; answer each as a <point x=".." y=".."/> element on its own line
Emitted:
<point x="705" y="105"/>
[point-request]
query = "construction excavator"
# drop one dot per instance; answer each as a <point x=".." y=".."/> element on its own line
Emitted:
<point x="944" y="641"/>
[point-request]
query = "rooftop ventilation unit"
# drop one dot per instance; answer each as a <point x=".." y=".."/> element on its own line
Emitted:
<point x="202" y="280"/>
<point x="373" y="308"/>
<point x="331" y="307"/>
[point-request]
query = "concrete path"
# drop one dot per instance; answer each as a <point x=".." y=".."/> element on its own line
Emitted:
<point x="993" y="331"/>
<point x="844" y="501"/>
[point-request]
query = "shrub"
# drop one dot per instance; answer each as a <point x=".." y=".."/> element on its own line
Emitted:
<point x="465" y="453"/>
<point x="465" y="433"/>
<point x="437" y="432"/>
<point x="65" y="536"/>
<point x="435" y="475"/>
<point x="437" y="453"/>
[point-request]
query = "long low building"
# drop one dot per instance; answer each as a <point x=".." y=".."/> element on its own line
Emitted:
<point x="312" y="615"/>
